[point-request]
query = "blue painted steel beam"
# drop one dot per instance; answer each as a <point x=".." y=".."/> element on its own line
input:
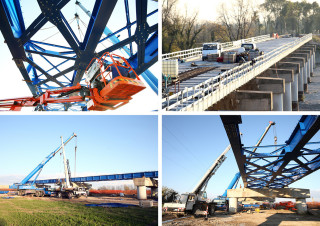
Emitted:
<point x="142" y="29"/>
<point x="112" y="177"/>
<point x="11" y="28"/>
<point x="49" y="8"/>
<point x="50" y="53"/>
<point x="126" y="4"/>
<point x="307" y="127"/>
<point x="100" y="16"/>
<point x="150" y="79"/>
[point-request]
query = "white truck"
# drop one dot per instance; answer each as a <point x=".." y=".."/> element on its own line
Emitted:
<point x="249" y="46"/>
<point x="211" y="48"/>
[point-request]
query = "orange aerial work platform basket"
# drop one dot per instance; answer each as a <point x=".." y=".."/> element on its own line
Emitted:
<point x="113" y="85"/>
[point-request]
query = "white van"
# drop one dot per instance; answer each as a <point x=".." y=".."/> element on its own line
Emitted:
<point x="211" y="48"/>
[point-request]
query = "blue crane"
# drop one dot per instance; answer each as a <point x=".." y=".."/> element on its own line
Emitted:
<point x="232" y="184"/>
<point x="26" y="186"/>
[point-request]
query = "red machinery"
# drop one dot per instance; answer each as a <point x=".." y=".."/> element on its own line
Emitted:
<point x="110" y="86"/>
<point x="285" y="205"/>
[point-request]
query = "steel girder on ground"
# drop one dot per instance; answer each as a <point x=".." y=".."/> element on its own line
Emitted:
<point x="24" y="48"/>
<point x="284" y="165"/>
<point x="124" y="176"/>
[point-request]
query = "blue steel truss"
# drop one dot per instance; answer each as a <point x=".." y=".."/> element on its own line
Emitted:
<point x="124" y="176"/>
<point x="276" y="166"/>
<point x="25" y="48"/>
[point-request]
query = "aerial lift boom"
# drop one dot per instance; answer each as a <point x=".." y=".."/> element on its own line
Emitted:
<point x="111" y="84"/>
<point x="24" y="187"/>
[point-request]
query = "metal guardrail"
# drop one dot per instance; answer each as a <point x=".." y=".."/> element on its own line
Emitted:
<point x="226" y="46"/>
<point x="209" y="92"/>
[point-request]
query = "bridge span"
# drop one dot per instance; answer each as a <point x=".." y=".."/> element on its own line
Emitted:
<point x="276" y="80"/>
<point x="140" y="179"/>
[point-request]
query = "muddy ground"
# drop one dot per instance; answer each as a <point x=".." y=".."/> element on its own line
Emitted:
<point x="265" y="217"/>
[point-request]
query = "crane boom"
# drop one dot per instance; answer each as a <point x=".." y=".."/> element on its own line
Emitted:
<point x="232" y="183"/>
<point x="65" y="165"/>
<point x="211" y="171"/>
<point x="44" y="162"/>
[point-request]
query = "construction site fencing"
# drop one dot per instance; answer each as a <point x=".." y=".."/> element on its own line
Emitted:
<point x="209" y="92"/>
<point x="226" y="46"/>
<point x="116" y="192"/>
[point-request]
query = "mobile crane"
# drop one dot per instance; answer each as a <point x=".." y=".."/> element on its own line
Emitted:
<point x="111" y="82"/>
<point x="196" y="202"/>
<point x="29" y="188"/>
<point x="67" y="188"/>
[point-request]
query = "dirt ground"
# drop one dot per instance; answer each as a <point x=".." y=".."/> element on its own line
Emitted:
<point x="265" y="217"/>
<point x="93" y="200"/>
<point x="312" y="97"/>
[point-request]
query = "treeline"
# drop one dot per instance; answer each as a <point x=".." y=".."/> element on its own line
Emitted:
<point x="182" y="29"/>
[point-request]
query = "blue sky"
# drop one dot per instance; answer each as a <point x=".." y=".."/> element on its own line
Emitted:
<point x="31" y="10"/>
<point x="106" y="144"/>
<point x="192" y="143"/>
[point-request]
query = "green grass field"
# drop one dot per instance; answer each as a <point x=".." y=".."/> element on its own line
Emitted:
<point x="20" y="211"/>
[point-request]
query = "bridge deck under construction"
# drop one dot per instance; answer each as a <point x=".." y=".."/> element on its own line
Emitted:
<point x="266" y="47"/>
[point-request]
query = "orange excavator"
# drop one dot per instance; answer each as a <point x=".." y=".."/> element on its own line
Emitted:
<point x="111" y="83"/>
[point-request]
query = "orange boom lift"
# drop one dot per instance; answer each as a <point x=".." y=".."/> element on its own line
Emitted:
<point x="111" y="83"/>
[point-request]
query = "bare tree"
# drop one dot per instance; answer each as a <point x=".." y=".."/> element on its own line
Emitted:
<point x="179" y="31"/>
<point x="238" y="22"/>
<point x="190" y="29"/>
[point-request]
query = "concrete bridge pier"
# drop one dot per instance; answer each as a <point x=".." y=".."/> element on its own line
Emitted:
<point x="299" y="194"/>
<point x="295" y="66"/>
<point x="271" y="88"/>
<point x="247" y="98"/>
<point x="306" y="70"/>
<point x="301" y="205"/>
<point x="287" y="75"/>
<point x="312" y="49"/>
<point x="233" y="205"/>
<point x="301" y="61"/>
<point x="142" y="192"/>
<point x="142" y="184"/>
<point x="276" y="86"/>
<point x="308" y="52"/>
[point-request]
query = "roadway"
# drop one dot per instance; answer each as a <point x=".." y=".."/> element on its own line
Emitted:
<point x="266" y="47"/>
